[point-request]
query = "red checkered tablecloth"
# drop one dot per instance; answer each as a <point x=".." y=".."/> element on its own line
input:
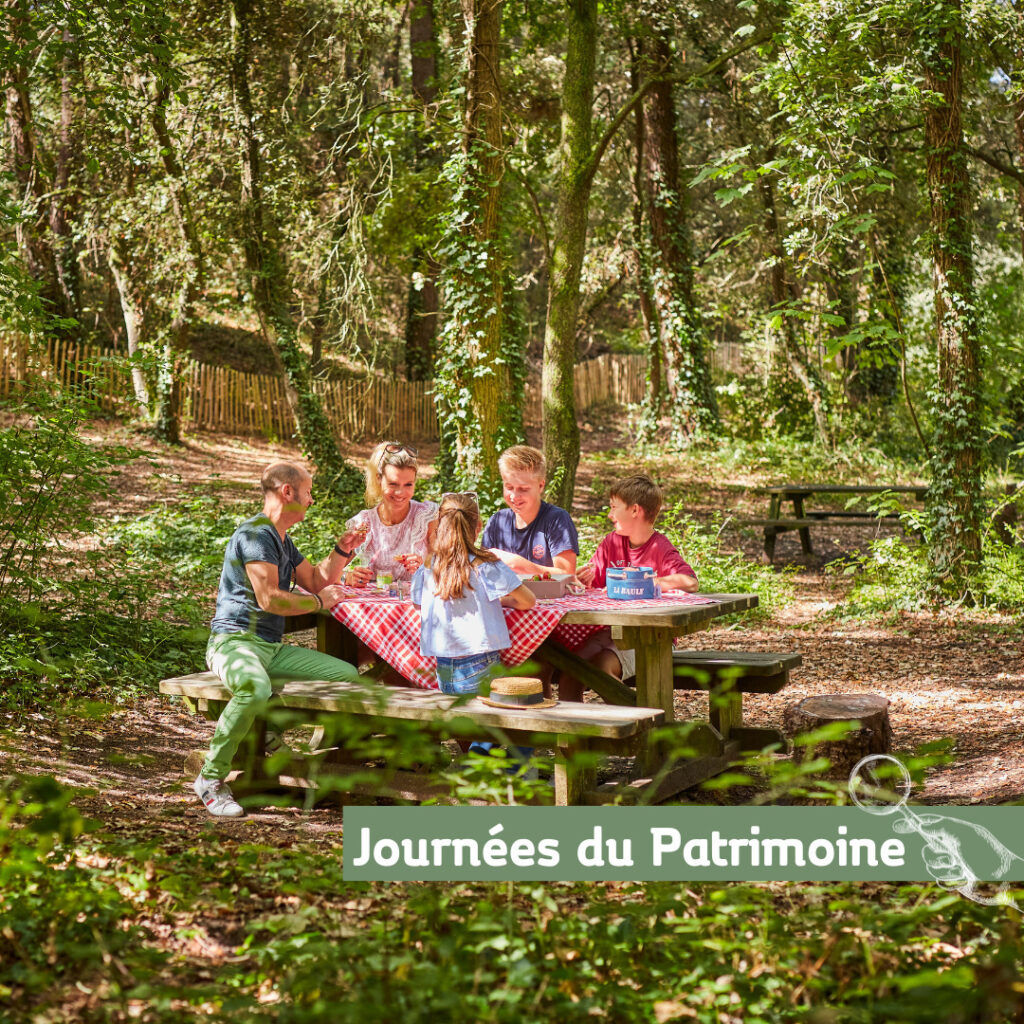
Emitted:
<point x="390" y="627"/>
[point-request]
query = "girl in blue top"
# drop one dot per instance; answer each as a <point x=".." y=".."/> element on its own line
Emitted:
<point x="460" y="591"/>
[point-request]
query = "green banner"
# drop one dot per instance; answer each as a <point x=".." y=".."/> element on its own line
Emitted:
<point x="957" y="845"/>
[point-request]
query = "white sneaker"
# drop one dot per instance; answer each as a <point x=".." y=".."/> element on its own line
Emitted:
<point x="216" y="795"/>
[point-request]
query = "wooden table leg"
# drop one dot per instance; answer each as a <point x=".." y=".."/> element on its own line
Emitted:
<point x="334" y="639"/>
<point x="805" y="531"/>
<point x="725" y="710"/>
<point x="770" y="532"/>
<point x="572" y="780"/>
<point x="654" y="679"/>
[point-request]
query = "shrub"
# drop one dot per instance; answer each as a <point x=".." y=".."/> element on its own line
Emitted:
<point x="52" y="477"/>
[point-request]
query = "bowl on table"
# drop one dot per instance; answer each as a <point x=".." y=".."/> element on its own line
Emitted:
<point x="554" y="585"/>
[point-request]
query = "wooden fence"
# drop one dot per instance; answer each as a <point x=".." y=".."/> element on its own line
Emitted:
<point x="219" y="398"/>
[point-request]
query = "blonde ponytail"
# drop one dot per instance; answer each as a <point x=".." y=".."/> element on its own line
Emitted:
<point x="454" y="549"/>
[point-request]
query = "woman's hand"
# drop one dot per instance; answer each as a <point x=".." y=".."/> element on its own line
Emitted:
<point x="410" y="562"/>
<point x="586" y="574"/>
<point x="359" y="576"/>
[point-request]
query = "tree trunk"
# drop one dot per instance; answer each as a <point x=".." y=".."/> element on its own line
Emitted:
<point x="421" y="311"/>
<point x="133" y="308"/>
<point x="954" y="495"/>
<point x="266" y="268"/>
<point x="34" y="248"/>
<point x="782" y="291"/>
<point x="168" y="392"/>
<point x="690" y="396"/>
<point x="867" y="715"/>
<point x="64" y="201"/>
<point x="879" y="368"/>
<point x="1018" y="124"/>
<point x="841" y="292"/>
<point x="569" y="234"/>
<point x="422" y="300"/>
<point x="473" y="375"/>
<point x="648" y="310"/>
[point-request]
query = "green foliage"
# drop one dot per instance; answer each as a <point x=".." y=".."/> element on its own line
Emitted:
<point x="60" y="920"/>
<point x="47" y="658"/>
<point x="53" y="478"/>
<point x="785" y="459"/>
<point x="170" y="557"/>
<point x="307" y="944"/>
<point x="895" y="574"/>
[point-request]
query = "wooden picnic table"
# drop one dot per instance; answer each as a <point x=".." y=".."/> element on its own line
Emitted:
<point x="802" y="520"/>
<point x="648" y="627"/>
<point x="620" y="727"/>
<point x="391" y="629"/>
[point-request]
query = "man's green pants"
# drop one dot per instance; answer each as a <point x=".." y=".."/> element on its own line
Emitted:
<point x="247" y="665"/>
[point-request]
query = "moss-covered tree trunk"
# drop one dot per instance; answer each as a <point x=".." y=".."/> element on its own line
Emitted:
<point x="641" y="247"/>
<point x="569" y="234"/>
<point x="268" y="273"/>
<point x="954" y="497"/>
<point x="168" y="391"/>
<point x="473" y="380"/>
<point x="787" y="354"/>
<point x="689" y="395"/>
<point x="1018" y="125"/>
<point x="133" y="310"/>
<point x="64" y="199"/>
<point x="422" y="296"/>
<point x="26" y="165"/>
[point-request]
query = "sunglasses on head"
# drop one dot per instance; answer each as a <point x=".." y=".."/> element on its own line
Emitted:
<point x="394" y="449"/>
<point x="459" y="494"/>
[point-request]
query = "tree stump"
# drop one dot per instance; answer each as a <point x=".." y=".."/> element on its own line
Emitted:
<point x="867" y="711"/>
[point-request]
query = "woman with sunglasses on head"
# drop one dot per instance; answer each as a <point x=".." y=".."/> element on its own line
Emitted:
<point x="398" y="528"/>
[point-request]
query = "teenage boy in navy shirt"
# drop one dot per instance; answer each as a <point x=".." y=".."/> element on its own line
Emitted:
<point x="530" y="536"/>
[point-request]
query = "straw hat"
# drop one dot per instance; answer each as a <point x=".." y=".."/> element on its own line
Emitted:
<point x="521" y="693"/>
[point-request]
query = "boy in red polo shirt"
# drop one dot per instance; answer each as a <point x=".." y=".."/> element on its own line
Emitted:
<point x="633" y="506"/>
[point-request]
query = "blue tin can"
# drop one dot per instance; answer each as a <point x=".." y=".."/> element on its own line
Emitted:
<point x="630" y="584"/>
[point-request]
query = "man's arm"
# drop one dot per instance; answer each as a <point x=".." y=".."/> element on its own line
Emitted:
<point x="329" y="570"/>
<point x="271" y="598"/>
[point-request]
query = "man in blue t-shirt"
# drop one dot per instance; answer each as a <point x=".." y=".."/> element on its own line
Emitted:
<point x="530" y="536"/>
<point x="254" y="597"/>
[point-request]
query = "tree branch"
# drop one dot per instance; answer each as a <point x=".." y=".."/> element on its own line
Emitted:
<point x="537" y="212"/>
<point x="993" y="161"/>
<point x="760" y="36"/>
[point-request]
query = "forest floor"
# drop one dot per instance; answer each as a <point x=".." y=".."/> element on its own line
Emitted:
<point x="948" y="678"/>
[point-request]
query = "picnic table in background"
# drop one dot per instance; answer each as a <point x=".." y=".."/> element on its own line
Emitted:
<point x="802" y="520"/>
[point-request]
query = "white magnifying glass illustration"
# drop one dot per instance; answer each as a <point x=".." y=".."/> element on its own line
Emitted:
<point x="881" y="785"/>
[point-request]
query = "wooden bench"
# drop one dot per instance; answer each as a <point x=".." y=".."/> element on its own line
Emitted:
<point x="773" y="527"/>
<point x="570" y="728"/>
<point x="727" y="675"/>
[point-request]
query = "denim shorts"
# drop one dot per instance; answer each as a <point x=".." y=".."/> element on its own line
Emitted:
<point x="457" y="676"/>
